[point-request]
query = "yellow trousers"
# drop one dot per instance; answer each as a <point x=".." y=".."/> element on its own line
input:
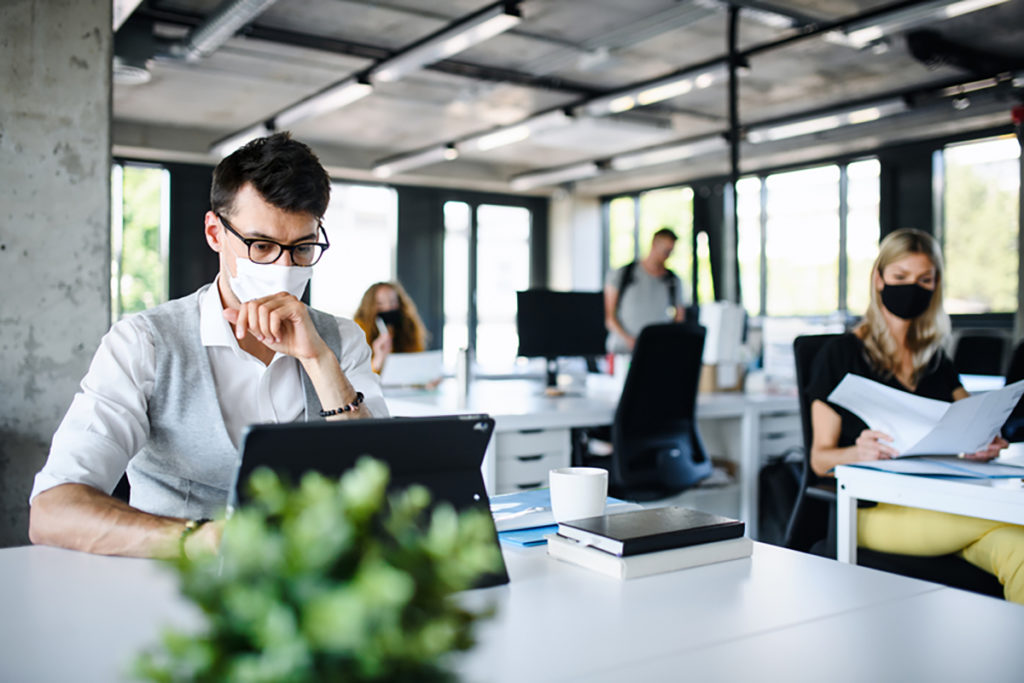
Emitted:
<point x="996" y="547"/>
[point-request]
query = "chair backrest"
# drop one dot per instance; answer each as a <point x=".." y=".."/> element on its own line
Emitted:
<point x="809" y="521"/>
<point x="654" y="436"/>
<point x="805" y="350"/>
<point x="980" y="351"/>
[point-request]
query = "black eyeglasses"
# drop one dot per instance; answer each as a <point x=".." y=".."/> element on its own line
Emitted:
<point x="267" y="251"/>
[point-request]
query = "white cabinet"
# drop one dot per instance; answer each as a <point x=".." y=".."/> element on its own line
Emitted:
<point x="523" y="457"/>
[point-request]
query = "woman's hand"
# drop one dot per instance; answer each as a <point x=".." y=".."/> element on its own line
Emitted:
<point x="870" y="446"/>
<point x="989" y="452"/>
<point x="382" y="347"/>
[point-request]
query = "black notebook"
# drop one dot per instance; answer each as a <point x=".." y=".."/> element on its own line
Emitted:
<point x="643" y="531"/>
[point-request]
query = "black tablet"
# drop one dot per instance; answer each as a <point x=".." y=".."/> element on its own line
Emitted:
<point x="442" y="453"/>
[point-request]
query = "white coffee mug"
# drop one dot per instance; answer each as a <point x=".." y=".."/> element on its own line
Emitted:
<point x="577" y="492"/>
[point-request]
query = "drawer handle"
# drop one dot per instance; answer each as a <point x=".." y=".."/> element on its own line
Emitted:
<point x="534" y="485"/>
<point x="530" y="431"/>
<point x="528" y="458"/>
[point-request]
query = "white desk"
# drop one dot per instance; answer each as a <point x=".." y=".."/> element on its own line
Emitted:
<point x="532" y="431"/>
<point x="779" y="615"/>
<point x="998" y="499"/>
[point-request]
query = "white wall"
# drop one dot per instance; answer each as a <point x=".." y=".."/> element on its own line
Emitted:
<point x="574" y="243"/>
<point x="54" y="225"/>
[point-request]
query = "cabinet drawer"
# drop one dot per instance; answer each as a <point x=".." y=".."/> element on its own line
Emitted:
<point x="777" y="444"/>
<point x="780" y="423"/>
<point x="531" y="443"/>
<point x="527" y="471"/>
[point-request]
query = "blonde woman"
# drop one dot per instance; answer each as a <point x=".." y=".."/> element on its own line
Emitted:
<point x="391" y="322"/>
<point x="899" y="343"/>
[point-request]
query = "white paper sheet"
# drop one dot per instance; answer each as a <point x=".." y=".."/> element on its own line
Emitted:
<point x="924" y="426"/>
<point x="945" y="467"/>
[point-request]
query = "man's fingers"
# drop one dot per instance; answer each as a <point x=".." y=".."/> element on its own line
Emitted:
<point x="242" y="322"/>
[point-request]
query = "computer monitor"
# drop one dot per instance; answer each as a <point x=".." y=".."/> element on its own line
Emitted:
<point x="557" y="324"/>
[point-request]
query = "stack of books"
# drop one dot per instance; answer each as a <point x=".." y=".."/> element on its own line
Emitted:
<point x="636" y="543"/>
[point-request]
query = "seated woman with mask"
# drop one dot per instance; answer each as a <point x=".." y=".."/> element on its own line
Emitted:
<point x="391" y="323"/>
<point x="898" y="344"/>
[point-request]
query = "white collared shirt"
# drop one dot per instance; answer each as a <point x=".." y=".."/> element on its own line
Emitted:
<point x="107" y="422"/>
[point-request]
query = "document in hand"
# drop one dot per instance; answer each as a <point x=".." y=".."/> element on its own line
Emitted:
<point x="924" y="426"/>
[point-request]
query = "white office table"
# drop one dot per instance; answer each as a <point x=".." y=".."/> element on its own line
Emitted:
<point x="532" y="431"/>
<point x="779" y="615"/>
<point x="997" y="499"/>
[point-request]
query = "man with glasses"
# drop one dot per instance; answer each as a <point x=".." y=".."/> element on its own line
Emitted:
<point x="171" y="389"/>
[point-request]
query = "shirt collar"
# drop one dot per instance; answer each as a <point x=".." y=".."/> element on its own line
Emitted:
<point x="214" y="330"/>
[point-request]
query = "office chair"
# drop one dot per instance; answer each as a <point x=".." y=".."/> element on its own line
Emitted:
<point x="980" y="351"/>
<point x="812" y="523"/>
<point x="1013" y="429"/>
<point x="656" y="449"/>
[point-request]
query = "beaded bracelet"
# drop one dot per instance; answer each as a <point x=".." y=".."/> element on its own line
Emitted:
<point x="356" y="402"/>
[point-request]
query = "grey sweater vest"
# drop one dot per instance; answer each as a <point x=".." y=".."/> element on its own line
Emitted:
<point x="188" y="465"/>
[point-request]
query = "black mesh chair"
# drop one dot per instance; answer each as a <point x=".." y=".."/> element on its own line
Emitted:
<point x="1013" y="430"/>
<point x="980" y="351"/>
<point x="656" y="450"/>
<point x="812" y="524"/>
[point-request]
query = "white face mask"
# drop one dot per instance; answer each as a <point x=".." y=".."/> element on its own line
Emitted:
<point x="255" y="280"/>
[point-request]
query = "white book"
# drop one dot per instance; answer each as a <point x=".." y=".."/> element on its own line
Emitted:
<point x="645" y="564"/>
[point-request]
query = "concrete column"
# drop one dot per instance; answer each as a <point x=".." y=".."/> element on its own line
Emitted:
<point x="55" y="71"/>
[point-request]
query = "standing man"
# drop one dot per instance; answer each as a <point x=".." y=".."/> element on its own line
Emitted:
<point x="642" y="293"/>
<point x="170" y="390"/>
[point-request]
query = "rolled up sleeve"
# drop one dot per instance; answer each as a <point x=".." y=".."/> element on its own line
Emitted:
<point x="107" y="422"/>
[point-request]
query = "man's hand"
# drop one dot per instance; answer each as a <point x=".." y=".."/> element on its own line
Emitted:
<point x="281" y="323"/>
<point x="205" y="540"/>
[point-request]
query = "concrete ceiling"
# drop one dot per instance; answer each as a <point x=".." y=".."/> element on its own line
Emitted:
<point x="562" y="54"/>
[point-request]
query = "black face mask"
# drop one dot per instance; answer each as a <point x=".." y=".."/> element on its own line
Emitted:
<point x="906" y="301"/>
<point x="391" y="318"/>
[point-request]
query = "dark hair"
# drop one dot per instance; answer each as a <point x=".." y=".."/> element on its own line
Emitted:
<point x="285" y="172"/>
<point x="665" y="232"/>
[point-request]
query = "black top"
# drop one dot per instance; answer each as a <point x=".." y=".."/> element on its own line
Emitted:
<point x="846" y="353"/>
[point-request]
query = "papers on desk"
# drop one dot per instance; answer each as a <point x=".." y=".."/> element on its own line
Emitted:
<point x="924" y="426"/>
<point x="947" y="466"/>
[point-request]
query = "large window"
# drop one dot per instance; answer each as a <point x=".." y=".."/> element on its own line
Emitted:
<point x="980" y="226"/>
<point x="800" y="253"/>
<point x="487" y="253"/>
<point x="633" y="220"/>
<point x="138" y="237"/>
<point x="801" y="242"/>
<point x="362" y="224"/>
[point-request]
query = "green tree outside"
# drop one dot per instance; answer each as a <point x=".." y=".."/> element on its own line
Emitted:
<point x="143" y="268"/>
<point x="980" y="236"/>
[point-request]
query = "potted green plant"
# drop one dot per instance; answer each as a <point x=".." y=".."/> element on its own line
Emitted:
<point x="332" y="580"/>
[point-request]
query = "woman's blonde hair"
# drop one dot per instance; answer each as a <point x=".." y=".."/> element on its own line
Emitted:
<point x="927" y="331"/>
<point x="410" y="336"/>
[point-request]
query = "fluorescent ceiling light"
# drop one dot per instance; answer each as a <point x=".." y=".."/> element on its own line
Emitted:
<point x="332" y="97"/>
<point x="668" y="153"/>
<point x="404" y="162"/>
<point x="452" y="40"/>
<point x="860" y="34"/>
<point x="655" y="91"/>
<point x="817" y="124"/>
<point x="226" y="146"/>
<point x="507" y="135"/>
<point x="528" y="181"/>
